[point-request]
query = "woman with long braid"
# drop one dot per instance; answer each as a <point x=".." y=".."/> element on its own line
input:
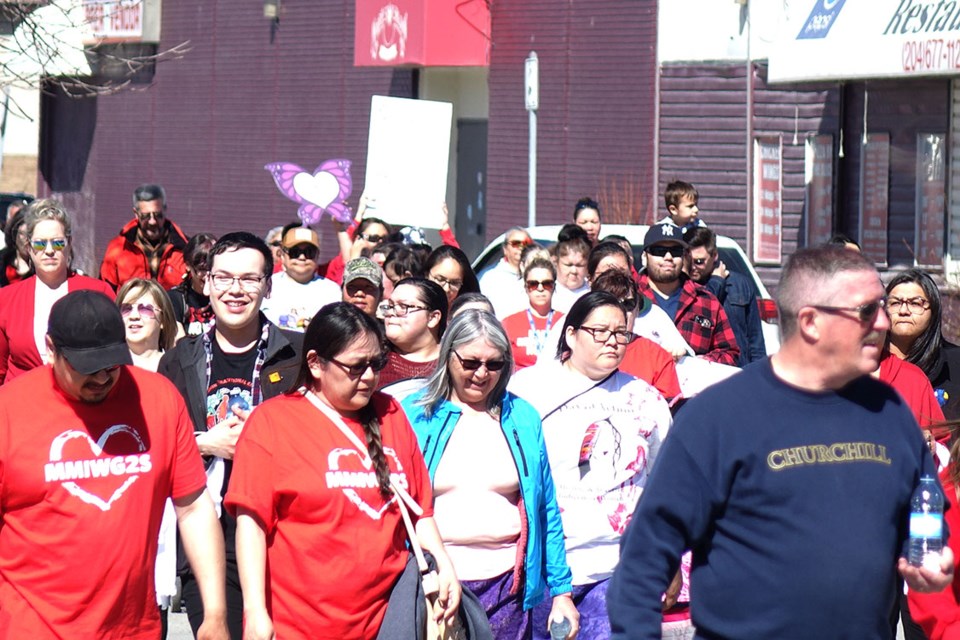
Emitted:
<point x="315" y="484"/>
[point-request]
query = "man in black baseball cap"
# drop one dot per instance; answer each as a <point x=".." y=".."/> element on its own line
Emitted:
<point x="90" y="451"/>
<point x="87" y="341"/>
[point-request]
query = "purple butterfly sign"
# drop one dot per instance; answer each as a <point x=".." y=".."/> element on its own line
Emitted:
<point x="324" y="190"/>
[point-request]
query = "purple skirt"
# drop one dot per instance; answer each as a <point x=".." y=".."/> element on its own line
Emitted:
<point x="507" y="618"/>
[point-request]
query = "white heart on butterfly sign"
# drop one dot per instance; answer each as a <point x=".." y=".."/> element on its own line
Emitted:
<point x="320" y="189"/>
<point x="56" y="455"/>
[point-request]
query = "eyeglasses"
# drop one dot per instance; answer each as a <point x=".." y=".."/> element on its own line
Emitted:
<point x="398" y="309"/>
<point x="865" y="312"/>
<point x="602" y="336"/>
<point x="535" y="285"/>
<point x="517" y="244"/>
<point x="453" y="285"/>
<point x="308" y="251"/>
<point x="916" y="306"/>
<point x="372" y="237"/>
<point x="143" y="310"/>
<point x="700" y="261"/>
<point x="661" y="250"/>
<point x="57" y="244"/>
<point x="472" y="364"/>
<point x="224" y="282"/>
<point x="358" y="369"/>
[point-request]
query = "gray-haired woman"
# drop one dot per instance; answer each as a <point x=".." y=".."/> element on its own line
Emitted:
<point x="494" y="499"/>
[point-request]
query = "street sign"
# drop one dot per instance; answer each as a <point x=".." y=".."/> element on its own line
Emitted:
<point x="531" y="81"/>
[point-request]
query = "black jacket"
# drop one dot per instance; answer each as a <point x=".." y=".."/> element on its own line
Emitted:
<point x="185" y="365"/>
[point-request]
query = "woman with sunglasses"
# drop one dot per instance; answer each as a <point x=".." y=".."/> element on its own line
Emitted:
<point x="320" y="537"/>
<point x="450" y="268"/>
<point x="25" y="305"/>
<point x="151" y="330"/>
<point x="414" y="318"/>
<point x="916" y="335"/>
<point x="529" y="329"/>
<point x="149" y="321"/>
<point x="191" y="306"/>
<point x="602" y="429"/>
<point x="493" y="493"/>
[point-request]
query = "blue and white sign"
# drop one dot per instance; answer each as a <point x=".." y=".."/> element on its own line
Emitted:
<point x="850" y="39"/>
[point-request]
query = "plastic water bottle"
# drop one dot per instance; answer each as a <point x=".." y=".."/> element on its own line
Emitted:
<point x="926" y="525"/>
<point x="559" y="629"/>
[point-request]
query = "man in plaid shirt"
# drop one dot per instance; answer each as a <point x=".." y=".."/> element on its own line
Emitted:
<point x="698" y="314"/>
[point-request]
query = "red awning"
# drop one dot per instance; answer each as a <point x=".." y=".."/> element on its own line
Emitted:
<point x="427" y="33"/>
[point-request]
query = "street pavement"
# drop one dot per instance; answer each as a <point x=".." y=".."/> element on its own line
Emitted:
<point x="179" y="627"/>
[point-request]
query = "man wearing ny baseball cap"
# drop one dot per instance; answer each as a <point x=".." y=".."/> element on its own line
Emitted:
<point x="695" y="311"/>
<point x="90" y="449"/>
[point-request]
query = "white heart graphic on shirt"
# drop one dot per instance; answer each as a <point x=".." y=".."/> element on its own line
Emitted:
<point x="56" y="455"/>
<point x="333" y="461"/>
<point x="321" y="188"/>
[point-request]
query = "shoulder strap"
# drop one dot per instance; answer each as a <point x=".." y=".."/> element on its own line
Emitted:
<point x="405" y="501"/>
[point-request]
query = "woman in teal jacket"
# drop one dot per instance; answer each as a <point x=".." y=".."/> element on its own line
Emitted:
<point x="494" y="498"/>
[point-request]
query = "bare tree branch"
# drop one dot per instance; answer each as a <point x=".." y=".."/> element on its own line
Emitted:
<point x="49" y="50"/>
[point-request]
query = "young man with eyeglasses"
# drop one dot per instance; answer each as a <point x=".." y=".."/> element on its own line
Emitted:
<point x="501" y="283"/>
<point x="150" y="246"/>
<point x="790" y="481"/>
<point x="91" y="449"/>
<point x="696" y="312"/>
<point x="297" y="292"/>
<point x="732" y="289"/>
<point x="226" y="372"/>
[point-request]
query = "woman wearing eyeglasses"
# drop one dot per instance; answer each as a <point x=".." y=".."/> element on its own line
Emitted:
<point x="320" y="539"/>
<point x="450" y="268"/>
<point x="916" y="335"/>
<point x="414" y="319"/>
<point x="494" y="498"/>
<point x="528" y="329"/>
<point x="602" y="429"/>
<point x="25" y="306"/>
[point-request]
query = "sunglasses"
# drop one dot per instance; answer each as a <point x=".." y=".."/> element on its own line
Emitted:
<point x="516" y="244"/>
<point x="372" y="237"/>
<point x="302" y="251"/>
<point x="865" y="312"/>
<point x="700" y="261"/>
<point x="661" y="250"/>
<point x="57" y="244"/>
<point x="357" y="370"/>
<point x="472" y="364"/>
<point x="143" y="310"/>
<point x="534" y="285"/>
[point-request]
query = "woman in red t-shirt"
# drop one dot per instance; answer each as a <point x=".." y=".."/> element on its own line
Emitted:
<point x="320" y="539"/>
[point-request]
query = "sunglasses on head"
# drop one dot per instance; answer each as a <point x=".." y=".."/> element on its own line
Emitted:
<point x="143" y="310"/>
<point x="57" y="244"/>
<point x="534" y="285"/>
<point x="472" y="364"/>
<point x="661" y="250"/>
